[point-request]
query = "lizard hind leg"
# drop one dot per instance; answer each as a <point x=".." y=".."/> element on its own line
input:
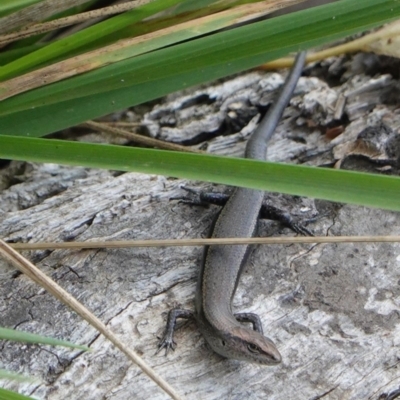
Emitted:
<point x="167" y="341"/>
<point x="254" y="319"/>
<point x="271" y="212"/>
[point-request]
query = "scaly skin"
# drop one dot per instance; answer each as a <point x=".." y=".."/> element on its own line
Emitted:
<point x="222" y="265"/>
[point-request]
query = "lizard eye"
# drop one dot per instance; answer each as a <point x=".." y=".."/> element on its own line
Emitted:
<point x="253" y="348"/>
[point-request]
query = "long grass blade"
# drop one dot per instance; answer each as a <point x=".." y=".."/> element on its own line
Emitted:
<point x="335" y="185"/>
<point x="58" y="292"/>
<point x="26" y="337"/>
<point x="155" y="74"/>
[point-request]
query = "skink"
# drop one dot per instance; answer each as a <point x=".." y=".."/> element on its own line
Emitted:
<point x="222" y="265"/>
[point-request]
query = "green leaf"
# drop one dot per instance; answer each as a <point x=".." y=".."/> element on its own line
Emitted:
<point x="19" y="336"/>
<point x="9" y="395"/>
<point x="15" y="53"/>
<point x="4" y="374"/>
<point x="345" y="186"/>
<point x="81" y="39"/>
<point x="120" y="51"/>
<point x="152" y="75"/>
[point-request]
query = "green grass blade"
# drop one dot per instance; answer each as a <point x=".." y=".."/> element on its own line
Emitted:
<point x="35" y="42"/>
<point x="121" y="51"/>
<point x="9" y="395"/>
<point x="145" y="77"/>
<point x="19" y="336"/>
<point x="15" y="53"/>
<point x="82" y="38"/>
<point x="38" y="11"/>
<point x="343" y="186"/>
<point x="111" y="30"/>
<point x="4" y="374"/>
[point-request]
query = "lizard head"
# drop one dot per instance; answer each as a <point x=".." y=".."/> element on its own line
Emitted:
<point x="245" y="344"/>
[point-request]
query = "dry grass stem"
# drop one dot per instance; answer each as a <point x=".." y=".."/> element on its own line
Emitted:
<point x="204" y="242"/>
<point x="143" y="140"/>
<point x="34" y="273"/>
